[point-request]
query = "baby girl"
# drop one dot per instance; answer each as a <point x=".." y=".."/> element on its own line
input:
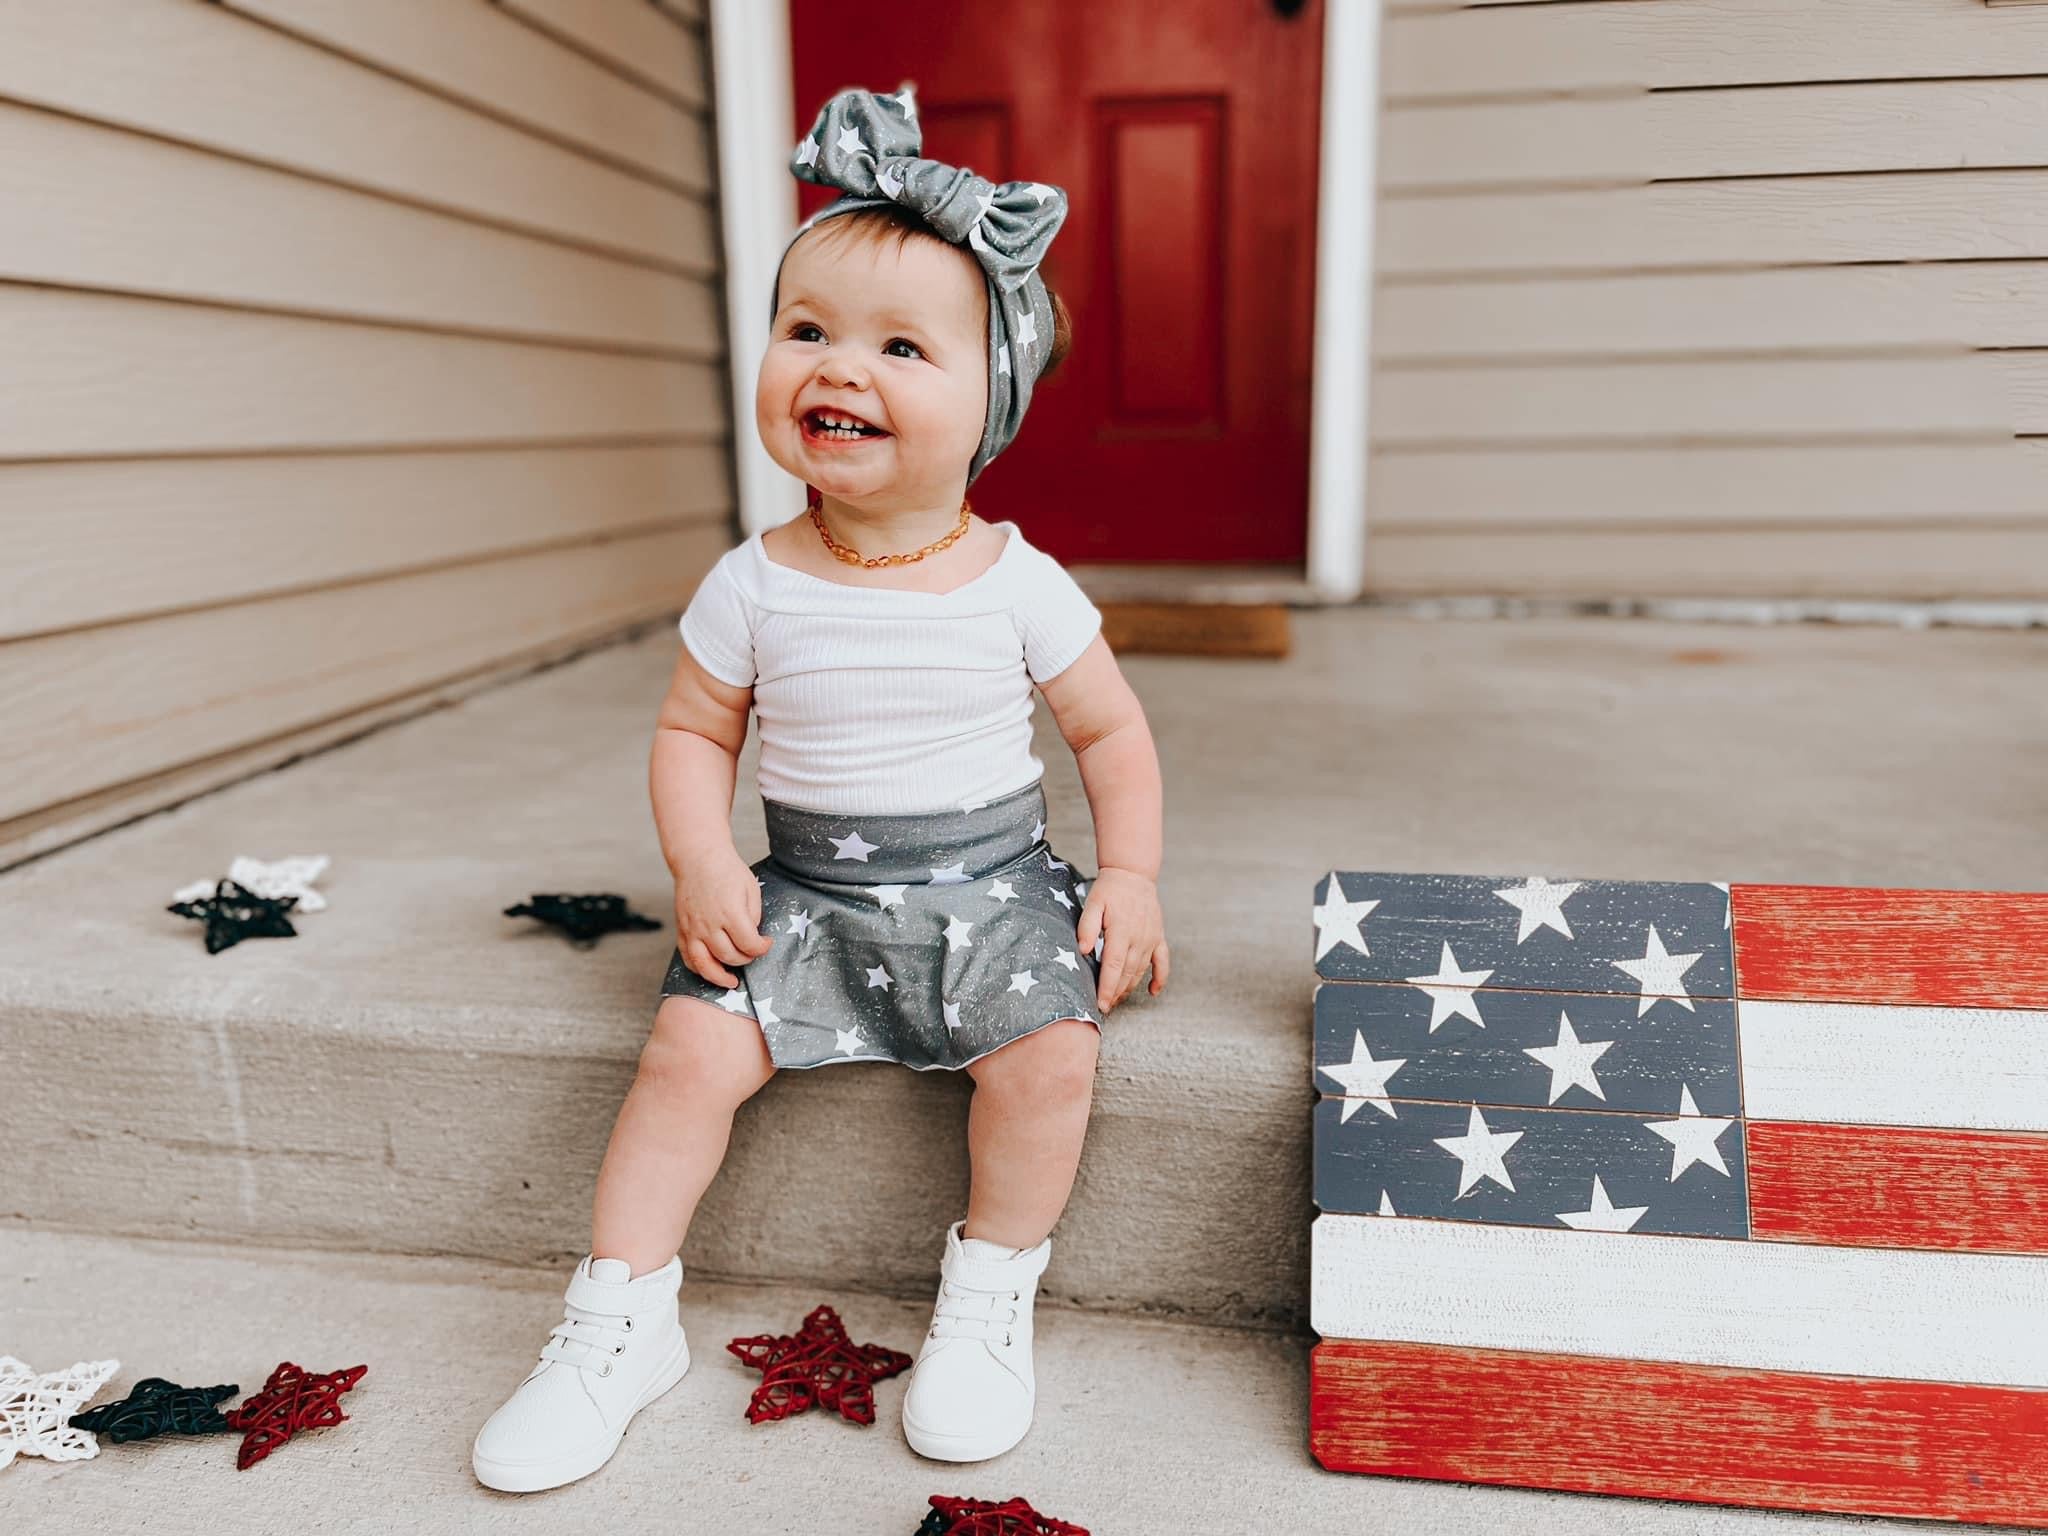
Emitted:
<point x="910" y="909"/>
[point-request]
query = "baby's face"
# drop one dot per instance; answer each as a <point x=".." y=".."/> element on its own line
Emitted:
<point x="893" y="335"/>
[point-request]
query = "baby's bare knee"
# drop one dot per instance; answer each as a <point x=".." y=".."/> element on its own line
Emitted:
<point x="698" y="1049"/>
<point x="1054" y="1064"/>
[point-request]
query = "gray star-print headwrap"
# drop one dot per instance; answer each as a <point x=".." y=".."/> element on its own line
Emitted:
<point x="867" y="146"/>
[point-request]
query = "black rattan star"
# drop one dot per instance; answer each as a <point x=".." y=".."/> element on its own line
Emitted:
<point x="585" y="919"/>
<point x="233" y="913"/>
<point x="158" y="1407"/>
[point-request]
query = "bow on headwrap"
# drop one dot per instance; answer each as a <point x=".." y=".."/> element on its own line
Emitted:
<point x="867" y="146"/>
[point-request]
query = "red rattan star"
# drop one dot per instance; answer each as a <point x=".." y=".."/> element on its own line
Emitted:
<point x="980" y="1517"/>
<point x="817" y="1365"/>
<point x="291" y="1400"/>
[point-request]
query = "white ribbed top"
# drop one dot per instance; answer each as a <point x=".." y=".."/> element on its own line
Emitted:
<point x="879" y="701"/>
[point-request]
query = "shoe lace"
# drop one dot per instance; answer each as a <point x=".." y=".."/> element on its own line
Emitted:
<point x="587" y="1340"/>
<point x="964" y="1312"/>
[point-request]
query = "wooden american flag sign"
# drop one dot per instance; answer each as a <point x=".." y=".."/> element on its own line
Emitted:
<point x="1736" y="1194"/>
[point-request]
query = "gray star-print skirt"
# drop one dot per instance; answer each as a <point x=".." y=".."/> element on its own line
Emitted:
<point x="928" y="939"/>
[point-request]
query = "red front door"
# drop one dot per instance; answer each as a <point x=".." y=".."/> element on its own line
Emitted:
<point x="1185" y="135"/>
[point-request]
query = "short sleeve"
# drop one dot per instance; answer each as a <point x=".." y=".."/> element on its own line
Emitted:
<point x="718" y="626"/>
<point x="1055" y="618"/>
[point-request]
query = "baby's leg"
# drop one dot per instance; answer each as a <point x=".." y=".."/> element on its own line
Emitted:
<point x="700" y="1064"/>
<point x="1025" y="1124"/>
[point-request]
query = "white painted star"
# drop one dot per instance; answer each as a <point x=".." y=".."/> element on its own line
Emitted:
<point x="888" y="895"/>
<point x="1387" y="1204"/>
<point x="1027" y="328"/>
<point x="952" y="1015"/>
<point x="848" y="1041"/>
<point x="1060" y="896"/>
<point x="1727" y="912"/>
<point x="890" y="183"/>
<point x="799" y="924"/>
<point x="1022" y="981"/>
<point x="1002" y="890"/>
<point x="1066" y="957"/>
<point x="807" y="152"/>
<point x="764" y="1013"/>
<point x="956" y="934"/>
<point x="852" y="846"/>
<point x="1659" y="974"/>
<point x="1450" y="991"/>
<point x="1480" y="1152"/>
<point x="850" y="142"/>
<point x="1570" y="1060"/>
<point x="735" y="1001"/>
<point x="36" y="1409"/>
<point x="1602" y="1215"/>
<point x="878" y="976"/>
<point x="1541" y="903"/>
<point x="1363" y="1079"/>
<point x="953" y="874"/>
<point x="1338" y="919"/>
<point x="1692" y="1137"/>
<point x="1037" y="831"/>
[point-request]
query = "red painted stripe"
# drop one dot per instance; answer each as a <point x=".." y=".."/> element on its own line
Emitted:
<point x="1856" y="944"/>
<point x="1875" y="1186"/>
<point x="1709" y="1434"/>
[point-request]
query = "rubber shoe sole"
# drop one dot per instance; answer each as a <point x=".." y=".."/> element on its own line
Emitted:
<point x="536" y="1476"/>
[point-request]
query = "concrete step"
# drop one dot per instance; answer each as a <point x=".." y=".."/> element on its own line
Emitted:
<point x="1134" y="1417"/>
<point x="417" y="1073"/>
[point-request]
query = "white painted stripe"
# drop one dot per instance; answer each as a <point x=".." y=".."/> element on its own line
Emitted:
<point x="1888" y="1312"/>
<point x="1855" y="1063"/>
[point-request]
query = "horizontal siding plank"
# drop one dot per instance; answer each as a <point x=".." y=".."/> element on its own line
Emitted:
<point x="1914" y="216"/>
<point x="1778" y="309"/>
<point x="688" y="12"/>
<point x="630" y="36"/>
<point x="1858" y="484"/>
<point x="90" y="375"/>
<point x="102" y="208"/>
<point x="1677" y="43"/>
<point x="297" y="523"/>
<point x="1792" y="130"/>
<point x="478" y="54"/>
<point x="203" y="76"/>
<point x="1701" y="399"/>
<point x="102" y="706"/>
<point x="1929" y="564"/>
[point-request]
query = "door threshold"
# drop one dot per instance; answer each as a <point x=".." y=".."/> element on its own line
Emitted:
<point x="1110" y="581"/>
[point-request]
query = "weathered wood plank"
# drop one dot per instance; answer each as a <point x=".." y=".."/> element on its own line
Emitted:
<point x="1851" y="944"/>
<point x="1778" y="1439"/>
<point x="1892" y="1187"/>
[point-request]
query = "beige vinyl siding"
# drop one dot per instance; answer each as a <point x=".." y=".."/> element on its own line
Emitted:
<point x="1712" y="297"/>
<point x="351" y="353"/>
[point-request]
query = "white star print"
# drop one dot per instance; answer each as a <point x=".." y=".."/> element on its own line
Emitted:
<point x="848" y="1041"/>
<point x="1541" y="904"/>
<point x="1066" y="957"/>
<point x="952" y="1015"/>
<point x="1022" y="981"/>
<point x="764" y="1013"/>
<point x="1096" y="953"/>
<point x="1570" y="1060"/>
<point x="969" y="807"/>
<point x="1051" y="862"/>
<point x="1027" y="328"/>
<point x="1659" y="974"/>
<point x="849" y="141"/>
<point x="1338" y="919"/>
<point x="1364" y="1080"/>
<point x="1040" y="191"/>
<point x="889" y="182"/>
<point x="987" y="201"/>
<point x="902" y="99"/>
<point x="1060" y="896"/>
<point x="1602" y="1215"/>
<point x="1692" y="1137"/>
<point x="888" y="895"/>
<point x="878" y="976"/>
<point x="1080" y="887"/>
<point x="1480" y="1152"/>
<point x="1003" y="361"/>
<point x="852" y="846"/>
<point x="734" y="1001"/>
<point x="956" y="934"/>
<point x="807" y="152"/>
<point x="953" y="874"/>
<point x="1002" y="890"/>
<point x="1450" y="991"/>
<point x="1038" y="831"/>
<point x="800" y="924"/>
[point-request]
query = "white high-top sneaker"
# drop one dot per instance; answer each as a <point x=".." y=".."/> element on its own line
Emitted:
<point x="618" y="1347"/>
<point x="971" y="1391"/>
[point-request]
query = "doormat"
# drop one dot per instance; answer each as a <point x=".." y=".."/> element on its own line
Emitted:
<point x="1197" y="629"/>
<point x="1732" y="1194"/>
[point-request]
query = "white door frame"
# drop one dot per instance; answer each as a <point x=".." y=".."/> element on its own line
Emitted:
<point x="757" y="215"/>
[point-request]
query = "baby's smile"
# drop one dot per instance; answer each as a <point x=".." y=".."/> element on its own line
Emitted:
<point x="838" y="428"/>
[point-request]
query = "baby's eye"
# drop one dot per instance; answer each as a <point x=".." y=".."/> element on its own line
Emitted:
<point x="796" y="332"/>
<point x="901" y="342"/>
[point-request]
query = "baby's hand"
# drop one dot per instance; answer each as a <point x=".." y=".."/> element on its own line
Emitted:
<point x="1123" y="911"/>
<point x="718" y="917"/>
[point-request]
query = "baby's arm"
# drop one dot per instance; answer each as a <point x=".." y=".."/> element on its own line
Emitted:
<point x="1105" y="726"/>
<point x="691" y="773"/>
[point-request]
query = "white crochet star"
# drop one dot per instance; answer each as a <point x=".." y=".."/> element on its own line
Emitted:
<point x="274" y="880"/>
<point x="36" y="1409"/>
